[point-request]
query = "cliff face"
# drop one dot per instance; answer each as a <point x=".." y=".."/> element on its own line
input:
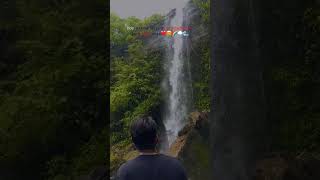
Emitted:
<point x="237" y="107"/>
<point x="265" y="96"/>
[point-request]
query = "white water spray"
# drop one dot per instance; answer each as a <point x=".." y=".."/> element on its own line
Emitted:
<point x="176" y="82"/>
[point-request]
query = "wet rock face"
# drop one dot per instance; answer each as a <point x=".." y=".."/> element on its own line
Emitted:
<point x="237" y="100"/>
<point x="192" y="146"/>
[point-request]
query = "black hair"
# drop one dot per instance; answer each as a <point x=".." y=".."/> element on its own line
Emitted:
<point x="144" y="133"/>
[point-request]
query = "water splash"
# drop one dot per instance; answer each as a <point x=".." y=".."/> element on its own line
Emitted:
<point x="177" y="82"/>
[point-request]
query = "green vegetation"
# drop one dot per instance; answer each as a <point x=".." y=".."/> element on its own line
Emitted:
<point x="200" y="56"/>
<point x="204" y="8"/>
<point x="135" y="80"/>
<point x="201" y="79"/>
<point x="52" y="89"/>
<point x="294" y="83"/>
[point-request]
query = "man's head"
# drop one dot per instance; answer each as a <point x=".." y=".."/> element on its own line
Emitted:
<point x="144" y="133"/>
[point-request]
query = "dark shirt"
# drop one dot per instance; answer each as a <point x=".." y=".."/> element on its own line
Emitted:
<point x="152" y="167"/>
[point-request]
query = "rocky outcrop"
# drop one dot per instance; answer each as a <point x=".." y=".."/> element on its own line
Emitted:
<point x="192" y="146"/>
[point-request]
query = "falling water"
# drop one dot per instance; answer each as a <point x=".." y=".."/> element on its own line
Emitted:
<point x="177" y="81"/>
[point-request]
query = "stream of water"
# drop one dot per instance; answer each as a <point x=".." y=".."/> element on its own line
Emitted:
<point x="177" y="80"/>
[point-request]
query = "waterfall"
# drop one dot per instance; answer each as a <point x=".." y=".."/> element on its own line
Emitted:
<point x="176" y="84"/>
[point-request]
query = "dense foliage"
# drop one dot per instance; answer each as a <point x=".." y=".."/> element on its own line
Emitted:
<point x="204" y="7"/>
<point x="135" y="77"/>
<point x="200" y="55"/>
<point x="292" y="75"/>
<point x="53" y="91"/>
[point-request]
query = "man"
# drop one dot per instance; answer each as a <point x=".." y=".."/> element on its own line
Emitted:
<point x="149" y="165"/>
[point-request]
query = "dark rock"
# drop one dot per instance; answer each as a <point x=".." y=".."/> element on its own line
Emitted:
<point x="99" y="173"/>
<point x="288" y="168"/>
<point x="192" y="146"/>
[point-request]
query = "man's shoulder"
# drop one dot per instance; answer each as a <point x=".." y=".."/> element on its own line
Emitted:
<point x="169" y="158"/>
<point x="162" y="159"/>
<point x="174" y="165"/>
<point x="127" y="164"/>
<point x="170" y="162"/>
<point x="159" y="157"/>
